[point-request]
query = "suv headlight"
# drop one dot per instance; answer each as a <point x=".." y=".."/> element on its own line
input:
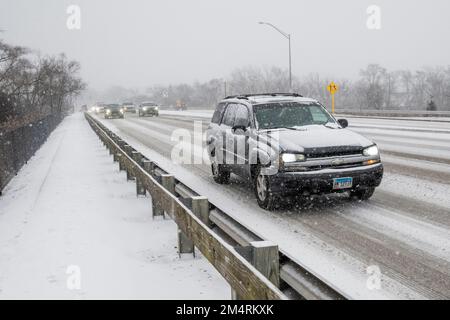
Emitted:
<point x="371" y="151"/>
<point x="144" y="108"/>
<point x="292" y="157"/>
<point x="108" y="111"/>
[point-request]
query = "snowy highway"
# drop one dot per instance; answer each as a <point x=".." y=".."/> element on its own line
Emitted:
<point x="403" y="231"/>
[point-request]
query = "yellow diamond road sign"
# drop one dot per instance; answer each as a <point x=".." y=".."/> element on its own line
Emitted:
<point x="332" y="88"/>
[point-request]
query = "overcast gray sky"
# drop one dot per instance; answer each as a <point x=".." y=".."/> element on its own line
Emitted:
<point x="137" y="43"/>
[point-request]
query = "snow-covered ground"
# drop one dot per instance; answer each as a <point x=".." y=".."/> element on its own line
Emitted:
<point x="71" y="227"/>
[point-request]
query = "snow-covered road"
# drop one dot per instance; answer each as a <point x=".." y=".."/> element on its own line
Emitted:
<point x="71" y="227"/>
<point x="404" y="229"/>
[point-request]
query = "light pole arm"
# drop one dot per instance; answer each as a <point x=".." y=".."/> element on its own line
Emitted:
<point x="286" y="35"/>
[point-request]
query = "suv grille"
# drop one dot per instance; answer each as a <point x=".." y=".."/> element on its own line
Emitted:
<point x="330" y="152"/>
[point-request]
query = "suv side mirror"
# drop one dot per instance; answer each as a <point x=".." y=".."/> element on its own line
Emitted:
<point x="241" y="123"/>
<point x="343" y="123"/>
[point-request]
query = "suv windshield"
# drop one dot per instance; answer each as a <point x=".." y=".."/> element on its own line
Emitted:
<point x="290" y="115"/>
<point x="149" y="104"/>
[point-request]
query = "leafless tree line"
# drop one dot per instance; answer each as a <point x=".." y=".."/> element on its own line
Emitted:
<point x="375" y="89"/>
<point x="32" y="86"/>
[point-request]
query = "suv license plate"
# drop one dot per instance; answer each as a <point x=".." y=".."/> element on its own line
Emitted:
<point x="342" y="183"/>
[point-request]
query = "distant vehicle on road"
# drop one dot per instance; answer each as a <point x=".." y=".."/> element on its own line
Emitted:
<point x="180" y="105"/>
<point x="99" y="108"/>
<point x="129" y="107"/>
<point x="148" y="109"/>
<point x="114" y="111"/>
<point x="288" y="145"/>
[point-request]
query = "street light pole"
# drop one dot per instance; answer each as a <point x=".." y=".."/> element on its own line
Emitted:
<point x="290" y="64"/>
<point x="287" y="36"/>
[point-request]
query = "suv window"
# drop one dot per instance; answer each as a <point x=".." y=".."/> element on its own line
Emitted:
<point x="230" y="113"/>
<point x="290" y="114"/>
<point x="218" y="113"/>
<point x="242" y="113"/>
<point x="318" y="115"/>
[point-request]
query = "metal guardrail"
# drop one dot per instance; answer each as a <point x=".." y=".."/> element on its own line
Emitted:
<point x="254" y="268"/>
<point x="393" y="113"/>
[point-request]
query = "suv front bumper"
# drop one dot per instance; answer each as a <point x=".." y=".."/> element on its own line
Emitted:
<point x="151" y="112"/>
<point x="321" y="181"/>
<point x="113" y="115"/>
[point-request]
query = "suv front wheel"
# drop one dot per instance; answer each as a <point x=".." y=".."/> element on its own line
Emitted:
<point x="362" y="194"/>
<point x="265" y="198"/>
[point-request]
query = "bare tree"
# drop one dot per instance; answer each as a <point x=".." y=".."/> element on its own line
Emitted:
<point x="32" y="87"/>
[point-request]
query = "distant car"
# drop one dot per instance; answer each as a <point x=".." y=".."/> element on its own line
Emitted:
<point x="148" y="109"/>
<point x="288" y="145"/>
<point x="114" y="111"/>
<point x="129" y="107"/>
<point x="99" y="109"/>
<point x="180" y="105"/>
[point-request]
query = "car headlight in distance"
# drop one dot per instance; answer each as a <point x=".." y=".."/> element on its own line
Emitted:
<point x="292" y="157"/>
<point x="108" y="111"/>
<point x="371" y="151"/>
<point x="144" y="108"/>
<point x="121" y="110"/>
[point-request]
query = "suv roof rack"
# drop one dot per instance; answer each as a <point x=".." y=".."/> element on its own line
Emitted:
<point x="246" y="96"/>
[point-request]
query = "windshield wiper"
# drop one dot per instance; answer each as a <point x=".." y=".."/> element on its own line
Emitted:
<point x="287" y="128"/>
<point x="330" y="125"/>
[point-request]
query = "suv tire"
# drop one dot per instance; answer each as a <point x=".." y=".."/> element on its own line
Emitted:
<point x="265" y="198"/>
<point x="362" y="194"/>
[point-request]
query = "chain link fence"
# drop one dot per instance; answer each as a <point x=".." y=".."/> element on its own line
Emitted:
<point x="17" y="146"/>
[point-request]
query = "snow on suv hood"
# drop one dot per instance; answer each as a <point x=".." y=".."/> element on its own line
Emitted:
<point x="318" y="136"/>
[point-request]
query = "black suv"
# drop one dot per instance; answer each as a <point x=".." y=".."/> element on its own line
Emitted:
<point x="289" y="145"/>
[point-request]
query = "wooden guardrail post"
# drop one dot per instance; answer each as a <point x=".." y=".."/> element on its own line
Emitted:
<point x="156" y="206"/>
<point x="264" y="256"/>
<point x="116" y="155"/>
<point x="140" y="190"/>
<point x="156" y="210"/>
<point x="200" y="207"/>
<point x="147" y="165"/>
<point x="266" y="260"/>
<point x="128" y="149"/>
<point x="185" y="245"/>
<point x="168" y="182"/>
<point x="120" y="159"/>
<point x="121" y="143"/>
